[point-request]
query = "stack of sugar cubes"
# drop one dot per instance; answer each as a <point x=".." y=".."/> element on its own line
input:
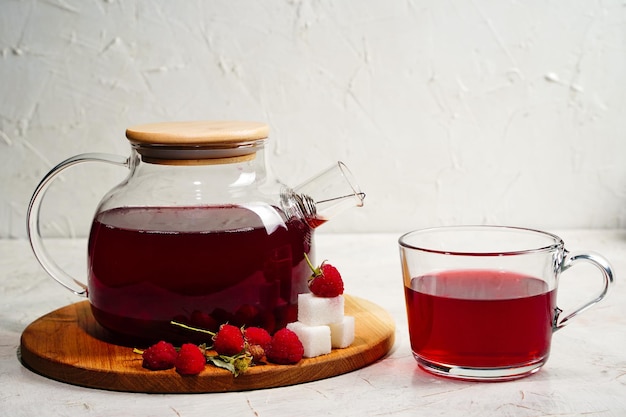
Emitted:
<point x="322" y="324"/>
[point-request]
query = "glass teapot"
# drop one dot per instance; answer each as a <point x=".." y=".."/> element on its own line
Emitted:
<point x="197" y="233"/>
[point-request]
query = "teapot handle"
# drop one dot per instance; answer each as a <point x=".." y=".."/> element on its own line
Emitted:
<point x="34" y="233"/>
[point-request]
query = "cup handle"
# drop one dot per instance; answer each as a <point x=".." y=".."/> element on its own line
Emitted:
<point x="34" y="233"/>
<point x="607" y="276"/>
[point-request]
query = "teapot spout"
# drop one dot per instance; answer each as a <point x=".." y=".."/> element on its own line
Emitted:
<point x="324" y="196"/>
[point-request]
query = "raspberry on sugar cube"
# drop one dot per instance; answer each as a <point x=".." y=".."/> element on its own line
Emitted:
<point x="342" y="333"/>
<point x="315" y="339"/>
<point x="315" y="311"/>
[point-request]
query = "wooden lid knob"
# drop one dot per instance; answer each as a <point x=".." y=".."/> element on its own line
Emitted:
<point x="200" y="141"/>
<point x="197" y="133"/>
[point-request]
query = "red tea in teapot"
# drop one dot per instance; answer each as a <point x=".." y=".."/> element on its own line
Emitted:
<point x="203" y="266"/>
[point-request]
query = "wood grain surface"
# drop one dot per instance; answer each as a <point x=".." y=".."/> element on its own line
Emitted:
<point x="69" y="346"/>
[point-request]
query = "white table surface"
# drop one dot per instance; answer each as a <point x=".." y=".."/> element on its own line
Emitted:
<point x="585" y="375"/>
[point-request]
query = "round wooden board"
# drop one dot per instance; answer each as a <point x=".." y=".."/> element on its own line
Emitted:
<point x="68" y="345"/>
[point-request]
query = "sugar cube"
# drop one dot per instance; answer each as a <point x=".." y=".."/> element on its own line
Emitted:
<point x="315" y="339"/>
<point x="315" y="311"/>
<point x="342" y="333"/>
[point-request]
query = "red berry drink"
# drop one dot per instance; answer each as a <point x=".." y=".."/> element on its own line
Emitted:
<point x="203" y="266"/>
<point x="480" y="318"/>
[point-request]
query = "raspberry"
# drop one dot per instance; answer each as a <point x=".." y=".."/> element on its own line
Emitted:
<point x="190" y="360"/>
<point x="256" y="352"/>
<point x="228" y="341"/>
<point x="325" y="281"/>
<point x="285" y="348"/>
<point x="258" y="340"/>
<point x="257" y="336"/>
<point x="159" y="356"/>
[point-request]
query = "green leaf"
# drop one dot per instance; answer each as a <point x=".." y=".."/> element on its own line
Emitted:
<point x="221" y="363"/>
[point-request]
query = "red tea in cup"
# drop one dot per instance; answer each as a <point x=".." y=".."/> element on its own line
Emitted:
<point x="480" y="318"/>
<point x="481" y="301"/>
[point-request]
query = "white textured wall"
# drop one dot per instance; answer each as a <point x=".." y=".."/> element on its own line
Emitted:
<point x="509" y="112"/>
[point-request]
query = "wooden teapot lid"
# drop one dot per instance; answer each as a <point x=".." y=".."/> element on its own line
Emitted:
<point x="197" y="140"/>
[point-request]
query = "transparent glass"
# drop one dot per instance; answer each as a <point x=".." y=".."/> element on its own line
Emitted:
<point x="202" y="241"/>
<point x="322" y="197"/>
<point x="482" y="300"/>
